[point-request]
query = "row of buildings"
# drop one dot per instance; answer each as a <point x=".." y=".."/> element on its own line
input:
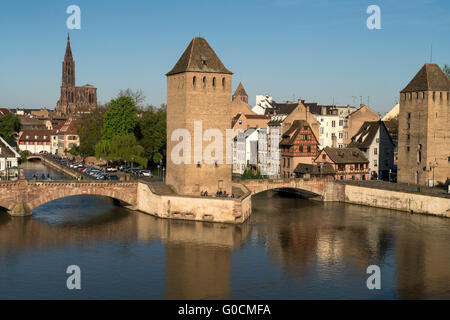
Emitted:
<point x="299" y="138"/>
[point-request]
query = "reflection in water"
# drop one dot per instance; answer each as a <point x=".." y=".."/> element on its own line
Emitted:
<point x="37" y="168"/>
<point x="289" y="249"/>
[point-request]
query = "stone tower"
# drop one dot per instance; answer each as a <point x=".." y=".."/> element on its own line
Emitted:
<point x="74" y="99"/>
<point x="424" y="134"/>
<point x="198" y="90"/>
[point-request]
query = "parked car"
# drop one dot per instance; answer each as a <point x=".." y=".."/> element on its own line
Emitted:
<point x="146" y="173"/>
<point x="111" y="169"/>
<point x="113" y="177"/>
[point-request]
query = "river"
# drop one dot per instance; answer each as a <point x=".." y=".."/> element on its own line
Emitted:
<point x="290" y="248"/>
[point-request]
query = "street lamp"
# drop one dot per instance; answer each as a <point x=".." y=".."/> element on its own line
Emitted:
<point x="432" y="166"/>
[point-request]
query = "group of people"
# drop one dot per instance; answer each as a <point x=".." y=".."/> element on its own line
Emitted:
<point x="43" y="177"/>
<point x="219" y="194"/>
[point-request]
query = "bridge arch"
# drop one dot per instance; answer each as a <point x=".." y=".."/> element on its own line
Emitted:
<point x="315" y="187"/>
<point x="125" y="192"/>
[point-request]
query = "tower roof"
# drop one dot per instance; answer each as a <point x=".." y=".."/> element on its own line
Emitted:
<point x="199" y="57"/>
<point x="429" y="78"/>
<point x="68" y="50"/>
<point x="240" y="91"/>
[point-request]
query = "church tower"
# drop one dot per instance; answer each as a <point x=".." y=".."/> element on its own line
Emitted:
<point x="198" y="93"/>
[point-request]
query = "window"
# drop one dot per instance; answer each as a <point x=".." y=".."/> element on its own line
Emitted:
<point x="409" y="115"/>
<point x="214" y="82"/>
<point x="324" y="157"/>
<point x="407" y="137"/>
<point x="240" y="121"/>
<point x="341" y="135"/>
<point x="199" y="165"/>
<point x="309" y="149"/>
<point x="375" y="151"/>
<point x="407" y="148"/>
<point x="375" y="163"/>
<point x="321" y="130"/>
<point x="333" y="123"/>
<point x="204" y="82"/>
<point x="223" y="83"/>
<point x="341" y="123"/>
<point x="194" y="81"/>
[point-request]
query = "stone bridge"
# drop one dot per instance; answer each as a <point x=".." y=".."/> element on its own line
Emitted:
<point x="21" y="197"/>
<point x="324" y="188"/>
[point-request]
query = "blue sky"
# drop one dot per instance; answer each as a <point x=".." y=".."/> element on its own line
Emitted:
<point x="315" y="50"/>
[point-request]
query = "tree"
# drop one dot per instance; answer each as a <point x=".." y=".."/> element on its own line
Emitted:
<point x="446" y="70"/>
<point x="90" y="131"/>
<point x="121" y="148"/>
<point x="137" y="96"/>
<point x="152" y="133"/>
<point x="9" y="125"/>
<point x="120" y="118"/>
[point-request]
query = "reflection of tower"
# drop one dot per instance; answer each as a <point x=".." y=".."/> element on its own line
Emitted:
<point x="197" y="272"/>
<point x="198" y="90"/>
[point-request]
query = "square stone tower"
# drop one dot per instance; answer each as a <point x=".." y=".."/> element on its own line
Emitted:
<point x="424" y="130"/>
<point x="198" y="92"/>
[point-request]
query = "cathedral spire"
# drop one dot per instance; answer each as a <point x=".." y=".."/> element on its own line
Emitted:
<point x="68" y="50"/>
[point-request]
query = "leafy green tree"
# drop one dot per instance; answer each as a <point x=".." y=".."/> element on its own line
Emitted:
<point x="9" y="125"/>
<point x="152" y="133"/>
<point x="90" y="131"/>
<point x="120" y="118"/>
<point x="446" y="70"/>
<point x="121" y="148"/>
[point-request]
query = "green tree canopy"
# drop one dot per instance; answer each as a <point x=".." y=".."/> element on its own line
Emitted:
<point x="90" y="132"/>
<point x="121" y="148"/>
<point x="152" y="133"/>
<point x="120" y="118"/>
<point x="9" y="125"/>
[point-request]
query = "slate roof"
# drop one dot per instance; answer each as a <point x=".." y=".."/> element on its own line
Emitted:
<point x="345" y="155"/>
<point x="6" y="151"/>
<point x="429" y="78"/>
<point x="199" y="57"/>
<point x="364" y="137"/>
<point x="313" y="169"/>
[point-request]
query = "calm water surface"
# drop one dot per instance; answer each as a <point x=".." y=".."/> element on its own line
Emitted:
<point x="289" y="249"/>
